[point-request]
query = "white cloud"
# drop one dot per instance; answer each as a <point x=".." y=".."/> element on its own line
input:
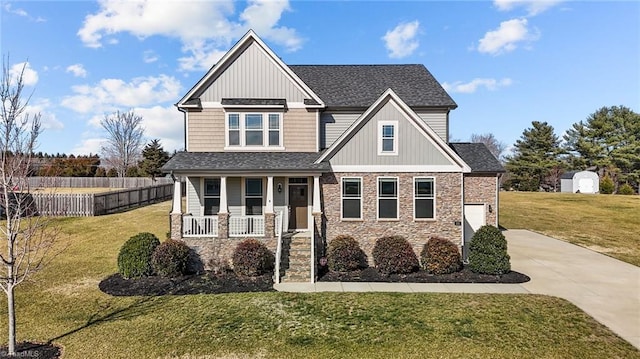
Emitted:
<point x="205" y="28"/>
<point x="22" y="12"/>
<point x="507" y="37"/>
<point x="110" y="94"/>
<point x="87" y="146"/>
<point x="533" y="7"/>
<point x="29" y="75"/>
<point x="77" y="70"/>
<point x="149" y="56"/>
<point x="401" y="41"/>
<point x="164" y="123"/>
<point x="473" y="85"/>
<point x="48" y="118"/>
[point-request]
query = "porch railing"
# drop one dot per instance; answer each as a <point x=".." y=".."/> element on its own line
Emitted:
<point x="242" y="226"/>
<point x="200" y="226"/>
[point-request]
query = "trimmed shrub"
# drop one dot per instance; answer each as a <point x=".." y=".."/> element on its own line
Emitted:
<point x="393" y="254"/>
<point x="488" y="251"/>
<point x="252" y="258"/>
<point x="440" y="256"/>
<point x="170" y="258"/>
<point x="134" y="259"/>
<point x="344" y="254"/>
<point x="606" y="185"/>
<point x="625" y="189"/>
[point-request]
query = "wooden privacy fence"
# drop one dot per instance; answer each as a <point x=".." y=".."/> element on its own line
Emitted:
<point x="96" y="182"/>
<point x="96" y="204"/>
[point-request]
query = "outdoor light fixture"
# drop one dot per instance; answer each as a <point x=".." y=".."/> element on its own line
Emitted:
<point x="490" y="209"/>
<point x="279" y="187"/>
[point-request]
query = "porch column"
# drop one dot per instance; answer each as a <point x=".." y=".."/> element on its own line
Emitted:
<point x="269" y="207"/>
<point x="175" y="218"/>
<point x="176" y="207"/>
<point x="223" y="195"/>
<point x="317" y="208"/>
<point x="269" y="216"/>
<point x="223" y="212"/>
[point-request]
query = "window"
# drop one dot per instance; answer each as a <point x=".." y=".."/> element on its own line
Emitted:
<point x="424" y="198"/>
<point x="387" y="137"/>
<point x="253" y="196"/>
<point x="388" y="198"/>
<point x="254" y="130"/>
<point x="352" y="198"/>
<point x="211" y="196"/>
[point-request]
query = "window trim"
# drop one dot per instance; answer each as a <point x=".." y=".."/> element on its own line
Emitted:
<point x="397" y="197"/>
<point x="205" y="196"/>
<point x="242" y="130"/>
<point x="435" y="215"/>
<point x="381" y="125"/>
<point x="342" y="197"/>
<point x="244" y="195"/>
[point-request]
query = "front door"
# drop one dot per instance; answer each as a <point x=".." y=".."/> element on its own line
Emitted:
<point x="298" y="204"/>
<point x="474" y="218"/>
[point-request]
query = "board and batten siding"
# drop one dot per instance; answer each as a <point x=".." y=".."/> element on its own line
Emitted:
<point x="438" y="120"/>
<point x="413" y="147"/>
<point x="253" y="75"/>
<point x="332" y="125"/>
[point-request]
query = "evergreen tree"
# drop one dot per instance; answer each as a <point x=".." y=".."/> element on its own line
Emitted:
<point x="153" y="158"/>
<point x="536" y="157"/>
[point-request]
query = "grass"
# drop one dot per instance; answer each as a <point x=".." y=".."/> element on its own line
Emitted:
<point x="608" y="224"/>
<point x="63" y="304"/>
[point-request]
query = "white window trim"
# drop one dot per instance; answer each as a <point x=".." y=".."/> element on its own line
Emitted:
<point x="395" y="138"/>
<point x="242" y="130"/>
<point x="397" y="198"/>
<point x="342" y="198"/>
<point x="204" y="194"/>
<point x="435" y="207"/>
<point x="243" y="188"/>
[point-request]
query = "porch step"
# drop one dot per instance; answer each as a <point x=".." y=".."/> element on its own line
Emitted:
<point x="297" y="261"/>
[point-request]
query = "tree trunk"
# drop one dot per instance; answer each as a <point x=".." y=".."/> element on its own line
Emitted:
<point x="11" y="313"/>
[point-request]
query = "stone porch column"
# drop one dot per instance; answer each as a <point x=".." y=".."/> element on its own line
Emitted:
<point x="223" y="225"/>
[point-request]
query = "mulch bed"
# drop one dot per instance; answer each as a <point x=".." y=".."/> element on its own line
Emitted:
<point x="208" y="283"/>
<point x="464" y="276"/>
<point x="33" y="350"/>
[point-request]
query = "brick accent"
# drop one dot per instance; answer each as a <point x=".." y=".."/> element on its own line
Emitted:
<point x="223" y="225"/>
<point x="269" y="225"/>
<point x="367" y="230"/>
<point x="482" y="189"/>
<point x="176" y="226"/>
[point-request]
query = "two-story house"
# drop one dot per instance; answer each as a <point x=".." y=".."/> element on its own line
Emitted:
<point x="323" y="150"/>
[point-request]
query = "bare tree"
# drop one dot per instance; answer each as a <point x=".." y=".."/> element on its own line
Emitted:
<point x="495" y="147"/>
<point x="124" y="141"/>
<point x="30" y="238"/>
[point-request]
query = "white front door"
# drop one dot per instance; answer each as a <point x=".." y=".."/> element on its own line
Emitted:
<point x="474" y="218"/>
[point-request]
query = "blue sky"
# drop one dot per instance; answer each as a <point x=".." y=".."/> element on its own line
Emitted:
<point x="505" y="63"/>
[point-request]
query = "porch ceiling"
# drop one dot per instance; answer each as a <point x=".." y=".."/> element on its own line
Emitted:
<point x="267" y="162"/>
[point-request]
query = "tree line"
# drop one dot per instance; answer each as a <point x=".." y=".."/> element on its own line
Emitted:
<point x="607" y="142"/>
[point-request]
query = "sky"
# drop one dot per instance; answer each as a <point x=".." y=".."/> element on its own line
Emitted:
<point x="505" y="63"/>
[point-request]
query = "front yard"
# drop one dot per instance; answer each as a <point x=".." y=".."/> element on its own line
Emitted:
<point x="64" y="304"/>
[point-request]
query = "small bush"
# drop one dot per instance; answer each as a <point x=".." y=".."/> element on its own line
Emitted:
<point x="488" y="251"/>
<point x="134" y="259"/>
<point x="625" y="189"/>
<point x="344" y="254"/>
<point x="606" y="185"/>
<point x="440" y="256"/>
<point x="394" y="254"/>
<point x="252" y="258"/>
<point x="170" y="258"/>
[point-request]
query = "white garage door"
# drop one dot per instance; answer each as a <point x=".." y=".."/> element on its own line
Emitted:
<point x="585" y="185"/>
<point x="474" y="218"/>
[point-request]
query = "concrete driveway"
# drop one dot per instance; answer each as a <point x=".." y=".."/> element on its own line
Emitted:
<point x="604" y="287"/>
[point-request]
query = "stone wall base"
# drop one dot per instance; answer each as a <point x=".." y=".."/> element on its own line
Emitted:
<point x="216" y="254"/>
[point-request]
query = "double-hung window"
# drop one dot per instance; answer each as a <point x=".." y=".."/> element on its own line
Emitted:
<point x="352" y="198"/>
<point x="387" y="138"/>
<point x="388" y="198"/>
<point x="254" y="130"/>
<point x="211" y="196"/>
<point x="424" y="198"/>
<point x="253" y="196"/>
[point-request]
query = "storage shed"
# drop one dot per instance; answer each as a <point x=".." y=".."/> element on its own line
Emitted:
<point x="580" y="181"/>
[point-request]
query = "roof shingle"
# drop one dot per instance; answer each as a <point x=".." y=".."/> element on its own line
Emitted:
<point x="245" y="161"/>
<point x="478" y="157"/>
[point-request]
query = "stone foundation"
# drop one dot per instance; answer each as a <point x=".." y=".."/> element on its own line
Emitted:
<point x="176" y="226"/>
<point x="217" y="253"/>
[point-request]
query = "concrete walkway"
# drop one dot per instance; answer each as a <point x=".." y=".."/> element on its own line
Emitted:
<point x="605" y="288"/>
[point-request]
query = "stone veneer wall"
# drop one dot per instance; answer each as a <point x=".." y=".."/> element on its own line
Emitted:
<point x="220" y="249"/>
<point x="482" y="189"/>
<point x="367" y="230"/>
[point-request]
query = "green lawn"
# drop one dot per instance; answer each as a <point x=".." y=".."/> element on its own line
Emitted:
<point x="63" y="304"/>
<point x="608" y="224"/>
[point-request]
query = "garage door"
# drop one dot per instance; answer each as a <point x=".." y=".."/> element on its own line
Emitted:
<point x="474" y="218"/>
<point x="585" y="185"/>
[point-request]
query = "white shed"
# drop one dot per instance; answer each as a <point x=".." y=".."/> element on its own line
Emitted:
<point x="580" y="181"/>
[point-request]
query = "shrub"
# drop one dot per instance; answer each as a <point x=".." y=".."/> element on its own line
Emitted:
<point x="170" y="258"/>
<point x="394" y="254"/>
<point x="625" y="189"/>
<point x="440" y="256"/>
<point x="134" y="259"/>
<point x="344" y="254"/>
<point x="606" y="185"/>
<point x="488" y="251"/>
<point x="252" y="258"/>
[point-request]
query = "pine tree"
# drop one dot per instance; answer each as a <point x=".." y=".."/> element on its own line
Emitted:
<point x="153" y="158"/>
<point x="536" y="156"/>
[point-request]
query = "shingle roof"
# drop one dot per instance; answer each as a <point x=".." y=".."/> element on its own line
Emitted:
<point x="361" y="85"/>
<point x="568" y="175"/>
<point x="245" y="161"/>
<point x="254" y="101"/>
<point x="478" y="157"/>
